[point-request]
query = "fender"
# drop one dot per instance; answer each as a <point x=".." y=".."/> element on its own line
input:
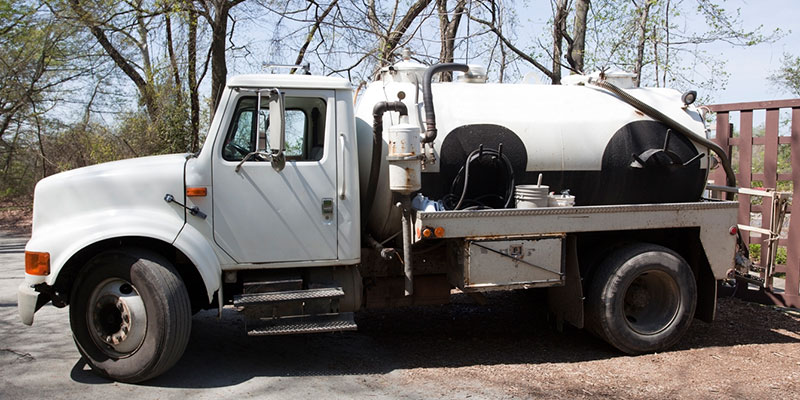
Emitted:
<point x="196" y="247"/>
<point x="66" y="238"/>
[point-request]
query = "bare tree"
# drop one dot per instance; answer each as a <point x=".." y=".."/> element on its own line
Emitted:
<point x="448" y="29"/>
<point x="391" y="34"/>
<point x="642" y="12"/>
<point x="217" y="13"/>
<point x="577" y="44"/>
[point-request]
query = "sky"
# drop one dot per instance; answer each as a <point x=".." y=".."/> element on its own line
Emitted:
<point x="748" y="67"/>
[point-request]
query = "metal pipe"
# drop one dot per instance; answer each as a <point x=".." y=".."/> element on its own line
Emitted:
<point x="377" y="150"/>
<point x="427" y="96"/>
<point x="675" y="125"/>
<point x="408" y="269"/>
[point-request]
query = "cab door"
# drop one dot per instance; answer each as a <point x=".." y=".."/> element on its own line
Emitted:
<point x="261" y="215"/>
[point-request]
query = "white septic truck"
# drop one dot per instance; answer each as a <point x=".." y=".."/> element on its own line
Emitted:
<point x="301" y="209"/>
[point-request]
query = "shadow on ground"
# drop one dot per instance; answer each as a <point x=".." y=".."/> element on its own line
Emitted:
<point x="512" y="328"/>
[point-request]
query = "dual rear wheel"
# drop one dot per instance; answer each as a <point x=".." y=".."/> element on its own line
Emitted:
<point x="641" y="299"/>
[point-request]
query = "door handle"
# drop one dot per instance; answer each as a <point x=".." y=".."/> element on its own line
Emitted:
<point x="341" y="171"/>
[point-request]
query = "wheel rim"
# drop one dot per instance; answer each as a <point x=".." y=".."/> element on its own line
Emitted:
<point x="116" y="317"/>
<point x="651" y="302"/>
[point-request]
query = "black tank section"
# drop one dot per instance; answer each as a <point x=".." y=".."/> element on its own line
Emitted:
<point x="485" y="177"/>
<point x="657" y="176"/>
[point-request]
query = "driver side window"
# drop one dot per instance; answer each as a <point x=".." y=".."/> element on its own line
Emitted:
<point x="305" y="129"/>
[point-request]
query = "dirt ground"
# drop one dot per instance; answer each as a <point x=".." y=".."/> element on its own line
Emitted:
<point x="750" y="351"/>
<point x="506" y="348"/>
<point x="15" y="217"/>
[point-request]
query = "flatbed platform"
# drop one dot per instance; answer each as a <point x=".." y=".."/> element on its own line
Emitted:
<point x="714" y="219"/>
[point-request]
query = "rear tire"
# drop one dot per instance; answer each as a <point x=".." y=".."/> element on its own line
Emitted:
<point x="642" y="298"/>
<point x="130" y="314"/>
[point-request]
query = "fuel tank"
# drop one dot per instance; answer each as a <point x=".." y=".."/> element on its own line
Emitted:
<point x="580" y="137"/>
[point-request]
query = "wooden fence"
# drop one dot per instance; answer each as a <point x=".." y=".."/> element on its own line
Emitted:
<point x="742" y="145"/>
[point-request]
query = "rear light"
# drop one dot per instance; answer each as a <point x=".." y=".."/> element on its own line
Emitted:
<point x="733" y="230"/>
<point x="37" y="263"/>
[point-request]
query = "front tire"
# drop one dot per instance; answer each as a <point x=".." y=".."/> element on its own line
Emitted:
<point x="130" y="314"/>
<point x="642" y="298"/>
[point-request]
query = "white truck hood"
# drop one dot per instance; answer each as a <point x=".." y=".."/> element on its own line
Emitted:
<point x="114" y="187"/>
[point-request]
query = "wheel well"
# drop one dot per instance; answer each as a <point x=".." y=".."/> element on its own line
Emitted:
<point x="189" y="274"/>
<point x="594" y="247"/>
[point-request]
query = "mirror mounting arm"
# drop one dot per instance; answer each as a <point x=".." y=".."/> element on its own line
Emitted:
<point x="261" y="155"/>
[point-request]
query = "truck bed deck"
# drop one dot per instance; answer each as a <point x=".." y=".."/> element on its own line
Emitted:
<point x="534" y="221"/>
<point x="714" y="219"/>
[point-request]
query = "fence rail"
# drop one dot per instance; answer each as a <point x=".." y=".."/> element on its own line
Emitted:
<point x="771" y="141"/>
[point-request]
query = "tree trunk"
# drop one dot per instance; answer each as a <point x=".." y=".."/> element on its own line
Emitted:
<point x="559" y="27"/>
<point x="395" y="35"/>
<point x="219" y="32"/>
<point x="173" y="62"/>
<point x="311" y="32"/>
<point x="643" y="11"/>
<point x="579" y="35"/>
<point x="219" y="67"/>
<point x="145" y="91"/>
<point x="194" y="97"/>
<point x="448" y="29"/>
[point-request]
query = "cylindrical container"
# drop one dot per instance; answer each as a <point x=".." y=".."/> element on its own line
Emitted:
<point x="561" y="200"/>
<point x="404" y="158"/>
<point x="531" y="196"/>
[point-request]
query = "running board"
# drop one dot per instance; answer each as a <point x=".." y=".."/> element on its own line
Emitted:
<point x="305" y="324"/>
<point x="249" y="299"/>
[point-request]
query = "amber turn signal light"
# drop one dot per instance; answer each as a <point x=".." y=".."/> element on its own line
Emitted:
<point x="427" y="233"/>
<point x="438" y="232"/>
<point x="196" y="191"/>
<point x="37" y="263"/>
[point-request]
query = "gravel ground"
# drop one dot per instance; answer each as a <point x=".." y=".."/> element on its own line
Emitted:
<point x="506" y="348"/>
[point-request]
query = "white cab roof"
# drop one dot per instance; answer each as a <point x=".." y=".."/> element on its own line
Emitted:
<point x="288" y="81"/>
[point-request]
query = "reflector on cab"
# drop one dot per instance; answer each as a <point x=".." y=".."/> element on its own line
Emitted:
<point x="196" y="191"/>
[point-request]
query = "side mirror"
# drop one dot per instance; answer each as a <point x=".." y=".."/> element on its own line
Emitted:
<point x="277" y="129"/>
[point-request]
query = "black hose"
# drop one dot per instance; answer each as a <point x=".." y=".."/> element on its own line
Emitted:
<point x="474" y="156"/>
<point x="427" y="96"/>
<point x="377" y="150"/>
<point x="730" y="176"/>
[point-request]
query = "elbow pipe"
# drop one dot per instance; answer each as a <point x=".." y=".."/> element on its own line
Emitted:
<point x="377" y="150"/>
<point x="427" y="96"/>
<point x="730" y="176"/>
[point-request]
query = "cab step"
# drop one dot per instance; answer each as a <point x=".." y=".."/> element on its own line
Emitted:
<point x="305" y="324"/>
<point x="249" y="299"/>
<point x="274" y="285"/>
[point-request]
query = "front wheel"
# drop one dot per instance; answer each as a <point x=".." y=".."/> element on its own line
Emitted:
<point x="642" y="298"/>
<point x="130" y="314"/>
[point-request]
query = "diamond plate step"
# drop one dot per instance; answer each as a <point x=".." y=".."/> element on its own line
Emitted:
<point x="275" y="285"/>
<point x="306" y="324"/>
<point x="289" y="295"/>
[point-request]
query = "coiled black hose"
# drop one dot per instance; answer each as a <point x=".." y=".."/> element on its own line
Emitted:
<point x="477" y="202"/>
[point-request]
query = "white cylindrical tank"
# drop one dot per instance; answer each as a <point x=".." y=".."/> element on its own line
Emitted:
<point x="404" y="158"/>
<point x="581" y="138"/>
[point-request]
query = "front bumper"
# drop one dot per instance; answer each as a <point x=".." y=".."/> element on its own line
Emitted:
<point x="27" y="297"/>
